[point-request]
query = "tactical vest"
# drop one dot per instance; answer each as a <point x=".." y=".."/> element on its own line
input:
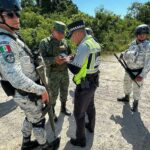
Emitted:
<point x="7" y="87"/>
<point x="91" y="63"/>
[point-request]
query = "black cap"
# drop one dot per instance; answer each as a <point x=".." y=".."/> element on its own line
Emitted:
<point x="75" y="26"/>
<point x="10" y="5"/>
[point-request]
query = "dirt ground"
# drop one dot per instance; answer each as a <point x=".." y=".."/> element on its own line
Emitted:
<point x="117" y="128"/>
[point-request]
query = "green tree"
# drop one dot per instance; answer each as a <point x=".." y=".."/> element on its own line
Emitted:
<point x="140" y="12"/>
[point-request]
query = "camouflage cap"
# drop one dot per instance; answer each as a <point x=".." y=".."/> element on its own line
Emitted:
<point x="59" y="26"/>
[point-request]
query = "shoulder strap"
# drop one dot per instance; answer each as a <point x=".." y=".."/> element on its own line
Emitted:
<point x="26" y="48"/>
<point x="11" y="36"/>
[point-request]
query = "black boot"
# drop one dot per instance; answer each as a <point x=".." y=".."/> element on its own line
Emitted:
<point x="55" y="117"/>
<point x="78" y="142"/>
<point x="54" y="145"/>
<point x="126" y="98"/>
<point x="135" y="106"/>
<point x="27" y="144"/>
<point x="64" y="109"/>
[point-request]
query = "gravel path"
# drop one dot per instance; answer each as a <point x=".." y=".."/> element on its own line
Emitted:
<point x="117" y="128"/>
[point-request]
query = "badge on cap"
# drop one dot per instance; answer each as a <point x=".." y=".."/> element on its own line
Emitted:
<point x="7" y="53"/>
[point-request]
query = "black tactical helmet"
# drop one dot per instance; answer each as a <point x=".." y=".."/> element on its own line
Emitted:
<point x="89" y="31"/>
<point x="10" y="5"/>
<point x="143" y="28"/>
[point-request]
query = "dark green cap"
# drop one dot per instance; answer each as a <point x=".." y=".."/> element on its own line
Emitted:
<point x="59" y="26"/>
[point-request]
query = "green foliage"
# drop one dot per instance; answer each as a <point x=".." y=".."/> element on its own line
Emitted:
<point x="140" y="12"/>
<point x="113" y="32"/>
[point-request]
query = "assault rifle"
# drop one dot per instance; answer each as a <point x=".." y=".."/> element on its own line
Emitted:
<point x="128" y="71"/>
<point x="48" y="108"/>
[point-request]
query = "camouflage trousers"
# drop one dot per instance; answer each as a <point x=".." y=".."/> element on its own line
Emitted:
<point x="58" y="81"/>
<point x="130" y="85"/>
<point x="33" y="121"/>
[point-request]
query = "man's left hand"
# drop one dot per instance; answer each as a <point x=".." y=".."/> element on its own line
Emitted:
<point x="138" y="78"/>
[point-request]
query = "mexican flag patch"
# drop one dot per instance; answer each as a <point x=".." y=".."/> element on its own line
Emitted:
<point x="5" y="48"/>
<point x="7" y="53"/>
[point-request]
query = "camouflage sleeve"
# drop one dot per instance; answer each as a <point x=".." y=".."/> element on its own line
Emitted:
<point x="146" y="68"/>
<point x="11" y="70"/>
<point x="49" y="60"/>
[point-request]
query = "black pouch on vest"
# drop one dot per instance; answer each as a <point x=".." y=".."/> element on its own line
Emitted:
<point x="8" y="88"/>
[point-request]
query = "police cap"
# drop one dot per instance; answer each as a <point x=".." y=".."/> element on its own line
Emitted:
<point x="75" y="26"/>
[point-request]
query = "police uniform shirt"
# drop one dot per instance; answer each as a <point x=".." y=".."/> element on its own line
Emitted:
<point x="83" y="52"/>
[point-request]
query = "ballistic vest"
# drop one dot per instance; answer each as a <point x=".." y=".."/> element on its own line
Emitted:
<point x="91" y="63"/>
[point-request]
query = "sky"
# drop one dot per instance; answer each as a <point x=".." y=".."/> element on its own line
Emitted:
<point x="119" y="7"/>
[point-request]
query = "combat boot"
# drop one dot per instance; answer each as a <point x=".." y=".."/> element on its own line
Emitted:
<point x="126" y="98"/>
<point x="135" y="106"/>
<point x="64" y="109"/>
<point x="55" y="116"/>
<point x="27" y="144"/>
<point x="54" y="145"/>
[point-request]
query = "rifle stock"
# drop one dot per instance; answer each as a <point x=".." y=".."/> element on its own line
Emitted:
<point x="124" y="65"/>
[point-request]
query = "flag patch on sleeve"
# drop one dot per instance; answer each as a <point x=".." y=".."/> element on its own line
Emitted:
<point x="5" y="48"/>
<point x="7" y="53"/>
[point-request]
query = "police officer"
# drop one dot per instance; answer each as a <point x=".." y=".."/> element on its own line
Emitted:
<point x="84" y="66"/>
<point x="55" y="50"/>
<point x="17" y="69"/>
<point x="137" y="58"/>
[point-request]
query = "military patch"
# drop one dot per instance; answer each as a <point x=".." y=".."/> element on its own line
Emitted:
<point x="9" y="57"/>
<point x="7" y="53"/>
<point x="5" y="48"/>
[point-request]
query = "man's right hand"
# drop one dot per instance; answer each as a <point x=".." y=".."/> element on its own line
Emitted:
<point x="45" y="97"/>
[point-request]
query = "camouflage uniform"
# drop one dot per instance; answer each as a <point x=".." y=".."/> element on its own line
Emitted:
<point x="137" y="58"/>
<point x="57" y="75"/>
<point x="17" y="67"/>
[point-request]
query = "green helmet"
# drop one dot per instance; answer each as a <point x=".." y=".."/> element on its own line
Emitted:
<point x="10" y="5"/>
<point x="143" y="28"/>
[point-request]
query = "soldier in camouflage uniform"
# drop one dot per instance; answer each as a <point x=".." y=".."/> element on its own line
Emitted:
<point x="137" y="58"/>
<point x="17" y="69"/>
<point x="55" y="50"/>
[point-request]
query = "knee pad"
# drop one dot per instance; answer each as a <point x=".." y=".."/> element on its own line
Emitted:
<point x="40" y="124"/>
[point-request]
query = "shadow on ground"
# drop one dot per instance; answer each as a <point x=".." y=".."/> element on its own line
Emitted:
<point x="7" y="107"/>
<point x="133" y="129"/>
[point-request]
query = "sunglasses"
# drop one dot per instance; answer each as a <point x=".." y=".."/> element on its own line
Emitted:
<point x="11" y="15"/>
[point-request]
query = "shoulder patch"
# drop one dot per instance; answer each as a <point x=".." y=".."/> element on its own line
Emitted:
<point x="7" y="53"/>
<point x="5" y="48"/>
